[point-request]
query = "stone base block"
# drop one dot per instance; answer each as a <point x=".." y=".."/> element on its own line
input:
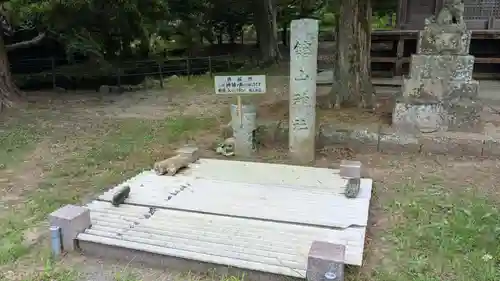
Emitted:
<point x="453" y="143"/>
<point x="424" y="117"/>
<point x="394" y="141"/>
<point x="440" y="89"/>
<point x="191" y="151"/>
<point x="465" y="117"/>
<point x="446" y="67"/>
<point x="325" y="262"/>
<point x="72" y="220"/>
<point x="432" y="40"/>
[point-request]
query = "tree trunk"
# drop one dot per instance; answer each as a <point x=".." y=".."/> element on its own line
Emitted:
<point x="284" y="33"/>
<point x="267" y="30"/>
<point x="9" y="92"/>
<point x="352" y="84"/>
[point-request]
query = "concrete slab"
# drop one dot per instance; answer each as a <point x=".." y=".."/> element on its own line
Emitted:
<point x="254" y="216"/>
<point x="280" y="248"/>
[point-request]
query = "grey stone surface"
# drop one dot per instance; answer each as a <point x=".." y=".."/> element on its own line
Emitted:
<point x="325" y="260"/>
<point x="465" y="116"/>
<point x="437" y="40"/>
<point x="350" y="169"/>
<point x="440" y="94"/>
<point x="243" y="125"/>
<point x="419" y="117"/>
<point x="331" y="135"/>
<point x="491" y="148"/>
<point x="449" y="67"/>
<point x="394" y="141"/>
<point x="303" y="73"/>
<point x="72" y="220"/>
<point x="453" y="143"/>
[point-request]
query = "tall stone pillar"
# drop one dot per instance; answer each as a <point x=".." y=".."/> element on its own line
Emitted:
<point x="303" y="65"/>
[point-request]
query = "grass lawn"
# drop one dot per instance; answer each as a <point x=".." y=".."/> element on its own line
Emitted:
<point x="431" y="220"/>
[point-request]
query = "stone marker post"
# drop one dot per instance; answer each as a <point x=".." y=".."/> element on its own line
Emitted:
<point x="303" y="64"/>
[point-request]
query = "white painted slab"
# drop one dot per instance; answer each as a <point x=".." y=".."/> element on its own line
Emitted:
<point x="275" y="198"/>
<point x="279" y="248"/>
<point x="266" y="173"/>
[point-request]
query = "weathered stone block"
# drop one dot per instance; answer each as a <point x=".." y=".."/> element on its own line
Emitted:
<point x="325" y="262"/>
<point x="440" y="89"/>
<point x="350" y="169"/>
<point x="72" y="220"/>
<point x="330" y="135"/>
<point x="447" y="67"/>
<point x="419" y="117"/>
<point x="394" y="141"/>
<point x="457" y="91"/>
<point x="272" y="133"/>
<point x="191" y="151"/>
<point x="434" y="41"/>
<point x="453" y="143"/>
<point x="491" y="147"/>
<point x="362" y="140"/>
<point x="465" y="116"/>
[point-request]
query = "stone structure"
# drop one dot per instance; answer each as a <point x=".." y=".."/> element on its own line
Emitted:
<point x="325" y="262"/>
<point x="439" y="94"/>
<point x="72" y="220"/>
<point x="303" y="64"/>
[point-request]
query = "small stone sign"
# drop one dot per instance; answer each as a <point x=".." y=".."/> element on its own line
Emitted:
<point x="240" y="85"/>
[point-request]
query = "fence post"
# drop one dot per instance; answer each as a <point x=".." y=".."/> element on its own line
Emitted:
<point x="188" y="69"/>
<point x="53" y="62"/>
<point x="161" y="75"/>
<point x="119" y="77"/>
<point x="210" y="66"/>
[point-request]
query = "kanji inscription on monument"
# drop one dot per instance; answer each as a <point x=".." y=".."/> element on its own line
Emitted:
<point x="303" y="64"/>
<point x="245" y="84"/>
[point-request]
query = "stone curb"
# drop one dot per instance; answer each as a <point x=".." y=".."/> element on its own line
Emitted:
<point x="386" y="140"/>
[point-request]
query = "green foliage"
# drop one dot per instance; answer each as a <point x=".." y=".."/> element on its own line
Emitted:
<point x="108" y="30"/>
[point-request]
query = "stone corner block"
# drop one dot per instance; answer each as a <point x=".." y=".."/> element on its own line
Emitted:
<point x="350" y="169"/>
<point x="325" y="262"/>
<point x="72" y="220"/>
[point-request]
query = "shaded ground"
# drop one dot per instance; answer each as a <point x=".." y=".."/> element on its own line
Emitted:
<point x="433" y="218"/>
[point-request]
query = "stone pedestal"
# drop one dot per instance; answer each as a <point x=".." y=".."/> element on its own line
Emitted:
<point x="303" y="64"/>
<point x="439" y="94"/>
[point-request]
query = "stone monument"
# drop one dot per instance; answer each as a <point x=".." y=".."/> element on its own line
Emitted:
<point x="303" y="64"/>
<point x="439" y="94"/>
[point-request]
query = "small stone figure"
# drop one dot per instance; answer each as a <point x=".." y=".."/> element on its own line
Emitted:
<point x="452" y="13"/>
<point x="226" y="148"/>
<point x="120" y="196"/>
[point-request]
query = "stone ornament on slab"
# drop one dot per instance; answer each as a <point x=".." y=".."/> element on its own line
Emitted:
<point x="72" y="220"/>
<point x="325" y="262"/>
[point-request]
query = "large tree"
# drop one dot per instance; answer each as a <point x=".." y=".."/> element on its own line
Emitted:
<point x="102" y="29"/>
<point x="352" y="84"/>
<point x="14" y="16"/>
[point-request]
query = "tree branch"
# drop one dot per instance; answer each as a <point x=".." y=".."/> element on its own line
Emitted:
<point x="25" y="44"/>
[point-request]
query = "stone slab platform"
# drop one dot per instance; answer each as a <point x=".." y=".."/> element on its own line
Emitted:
<point x="255" y="216"/>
